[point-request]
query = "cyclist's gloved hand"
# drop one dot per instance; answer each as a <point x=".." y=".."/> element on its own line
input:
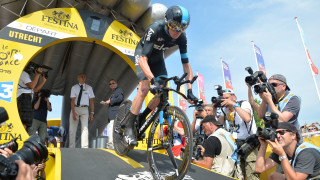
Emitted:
<point x="191" y="96"/>
<point x="155" y="86"/>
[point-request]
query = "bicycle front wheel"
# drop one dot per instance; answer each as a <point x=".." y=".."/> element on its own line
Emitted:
<point x="171" y="165"/>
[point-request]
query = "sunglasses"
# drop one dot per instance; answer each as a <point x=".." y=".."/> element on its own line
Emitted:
<point x="310" y="129"/>
<point x="275" y="84"/>
<point x="112" y="83"/>
<point x="177" y="27"/>
<point x="282" y="132"/>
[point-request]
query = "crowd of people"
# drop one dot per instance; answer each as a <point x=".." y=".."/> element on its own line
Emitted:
<point x="229" y="126"/>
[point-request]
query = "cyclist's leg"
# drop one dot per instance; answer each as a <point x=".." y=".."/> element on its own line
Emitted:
<point x="136" y="106"/>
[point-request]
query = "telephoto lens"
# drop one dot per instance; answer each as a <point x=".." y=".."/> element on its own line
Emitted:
<point x="12" y="145"/>
<point x="32" y="151"/>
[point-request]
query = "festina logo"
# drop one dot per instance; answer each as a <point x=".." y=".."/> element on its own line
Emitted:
<point x="60" y="22"/>
<point x="121" y="38"/>
<point x="10" y="136"/>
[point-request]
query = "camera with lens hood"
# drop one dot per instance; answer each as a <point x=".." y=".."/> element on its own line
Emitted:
<point x="260" y="82"/>
<point x="32" y="68"/>
<point x="197" y="140"/>
<point x="217" y="100"/>
<point x="271" y="124"/>
<point x="32" y="152"/>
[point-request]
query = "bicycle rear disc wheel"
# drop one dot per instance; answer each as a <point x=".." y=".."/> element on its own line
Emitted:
<point x="161" y="165"/>
<point x="119" y="143"/>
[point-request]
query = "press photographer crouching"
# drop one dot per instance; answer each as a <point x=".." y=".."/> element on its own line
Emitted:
<point x="298" y="161"/>
<point x="217" y="147"/>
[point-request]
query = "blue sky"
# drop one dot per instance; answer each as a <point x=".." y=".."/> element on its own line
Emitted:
<point x="225" y="28"/>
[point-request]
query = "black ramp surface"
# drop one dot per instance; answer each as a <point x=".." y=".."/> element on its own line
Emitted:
<point x="194" y="172"/>
<point x="96" y="164"/>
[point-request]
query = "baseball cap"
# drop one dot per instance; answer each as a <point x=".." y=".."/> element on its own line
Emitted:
<point x="228" y="91"/>
<point x="281" y="78"/>
<point x="287" y="126"/>
<point x="211" y="118"/>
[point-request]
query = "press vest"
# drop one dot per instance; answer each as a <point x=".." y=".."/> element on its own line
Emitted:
<point x="300" y="148"/>
<point x="225" y="162"/>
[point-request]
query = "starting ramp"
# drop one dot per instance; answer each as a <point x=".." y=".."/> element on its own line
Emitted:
<point x="105" y="164"/>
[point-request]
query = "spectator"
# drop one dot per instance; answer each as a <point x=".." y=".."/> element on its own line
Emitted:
<point x="298" y="161"/>
<point x="178" y="137"/>
<point x="289" y="104"/>
<point x="114" y="102"/>
<point x="313" y="128"/>
<point x="219" y="151"/>
<point x="41" y="105"/>
<point x="25" y="90"/>
<point x="81" y="96"/>
<point x="55" y="134"/>
<point x="208" y="109"/>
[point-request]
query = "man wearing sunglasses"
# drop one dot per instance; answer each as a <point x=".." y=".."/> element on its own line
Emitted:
<point x="150" y="66"/>
<point x="113" y="103"/>
<point x="298" y="161"/>
<point x="289" y="104"/>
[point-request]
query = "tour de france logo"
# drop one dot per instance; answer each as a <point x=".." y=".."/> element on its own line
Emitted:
<point x="125" y="33"/>
<point x="61" y="15"/>
<point x="6" y="128"/>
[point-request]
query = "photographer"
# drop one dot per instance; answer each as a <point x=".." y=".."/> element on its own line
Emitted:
<point x="41" y="105"/>
<point x="238" y="115"/>
<point x="298" y="161"/>
<point x="25" y="90"/>
<point x="219" y="148"/>
<point x="241" y="124"/>
<point x="200" y="114"/>
<point x="289" y="104"/>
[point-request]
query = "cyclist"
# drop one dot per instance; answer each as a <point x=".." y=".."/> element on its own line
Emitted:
<point x="150" y="65"/>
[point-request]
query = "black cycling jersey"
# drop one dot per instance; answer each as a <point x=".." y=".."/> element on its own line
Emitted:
<point x="153" y="44"/>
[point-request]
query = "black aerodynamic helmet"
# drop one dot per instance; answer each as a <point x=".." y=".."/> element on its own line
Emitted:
<point x="178" y="18"/>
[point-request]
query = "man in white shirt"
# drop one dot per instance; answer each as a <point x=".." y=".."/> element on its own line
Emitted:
<point x="25" y="90"/>
<point x="81" y="96"/>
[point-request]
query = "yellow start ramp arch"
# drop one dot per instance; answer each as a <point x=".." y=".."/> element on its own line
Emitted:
<point x="23" y="39"/>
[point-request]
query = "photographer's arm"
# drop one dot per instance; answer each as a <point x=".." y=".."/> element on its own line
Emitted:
<point x="36" y="105"/>
<point x="48" y="104"/>
<point x="245" y="114"/>
<point x="262" y="109"/>
<point x="39" y="86"/>
<point x="206" y="162"/>
<point x="251" y="99"/>
<point x="263" y="164"/>
<point x="34" y="82"/>
<point x="194" y="121"/>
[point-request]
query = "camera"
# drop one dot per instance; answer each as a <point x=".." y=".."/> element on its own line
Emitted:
<point x="197" y="140"/>
<point x="271" y="124"/>
<point x="32" y="152"/>
<point x="250" y="144"/>
<point x="32" y="68"/>
<point x="45" y="93"/>
<point x="217" y="100"/>
<point x="199" y="105"/>
<point x="12" y="145"/>
<point x="256" y="77"/>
